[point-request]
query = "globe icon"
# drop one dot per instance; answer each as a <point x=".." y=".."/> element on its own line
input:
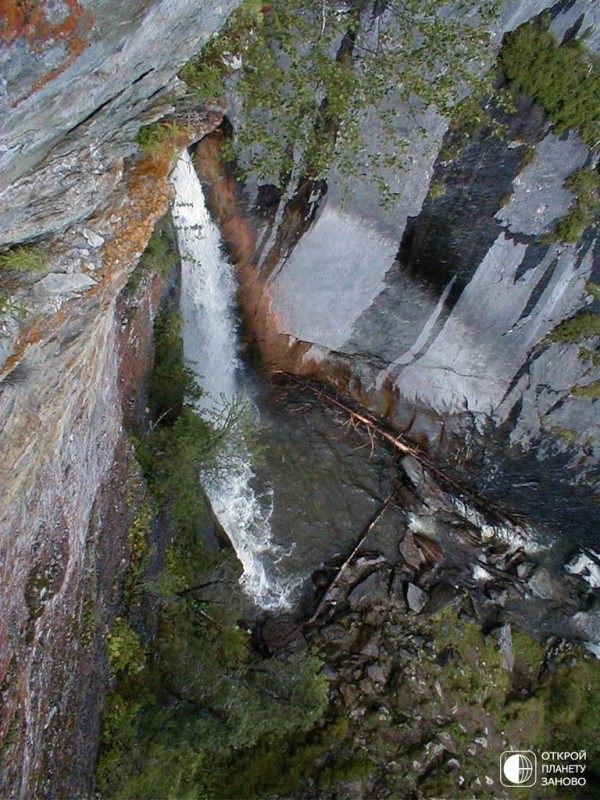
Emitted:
<point x="518" y="769"/>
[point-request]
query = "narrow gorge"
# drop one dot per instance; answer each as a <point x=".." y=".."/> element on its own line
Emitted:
<point x="299" y="399"/>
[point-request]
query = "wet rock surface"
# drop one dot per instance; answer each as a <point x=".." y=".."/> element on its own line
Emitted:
<point x="451" y="332"/>
<point x="440" y="659"/>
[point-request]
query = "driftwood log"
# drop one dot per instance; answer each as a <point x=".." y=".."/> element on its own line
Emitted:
<point x="359" y="543"/>
<point x="375" y="428"/>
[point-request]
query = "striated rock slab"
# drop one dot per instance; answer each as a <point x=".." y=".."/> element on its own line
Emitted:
<point x="71" y="105"/>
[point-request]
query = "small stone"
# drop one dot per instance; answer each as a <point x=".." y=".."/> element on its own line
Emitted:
<point x="430" y="550"/>
<point x="93" y="239"/>
<point x="329" y="673"/>
<point x="503" y="636"/>
<point x="59" y="283"/>
<point x="482" y="740"/>
<point x="370" y="650"/>
<point x="410" y="552"/>
<point x="541" y="584"/>
<point x="453" y="763"/>
<point x="377" y="674"/>
<point x="416" y="598"/>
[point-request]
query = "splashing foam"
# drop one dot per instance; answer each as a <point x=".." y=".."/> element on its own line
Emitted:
<point x="210" y="345"/>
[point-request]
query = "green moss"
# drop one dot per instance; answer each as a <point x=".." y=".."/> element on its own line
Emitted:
<point x="527" y="155"/>
<point x="566" y="434"/>
<point x="564" y="79"/>
<point x="593" y="289"/>
<point x="583" y="325"/>
<point x="437" y="189"/>
<point x="590" y="357"/>
<point x="590" y="391"/>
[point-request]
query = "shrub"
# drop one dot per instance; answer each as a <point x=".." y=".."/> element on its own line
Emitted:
<point x="162" y="140"/>
<point x="308" y="84"/>
<point x="125" y="652"/>
<point x="9" y="307"/>
<point x="172" y="382"/>
<point x="160" y="257"/>
<point x="584" y="183"/>
<point x="26" y="258"/>
<point x="564" y="79"/>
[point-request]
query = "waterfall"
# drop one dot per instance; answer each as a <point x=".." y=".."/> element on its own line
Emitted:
<point x="209" y="332"/>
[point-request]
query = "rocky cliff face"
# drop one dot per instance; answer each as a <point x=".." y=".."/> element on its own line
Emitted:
<point x="442" y="311"/>
<point x="78" y="80"/>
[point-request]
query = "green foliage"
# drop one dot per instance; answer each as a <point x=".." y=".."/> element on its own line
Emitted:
<point x="582" y="326"/>
<point x="567" y="434"/>
<point x="206" y="73"/>
<point x="593" y="289"/>
<point x="184" y="708"/>
<point x="159" y="140"/>
<point x="125" y="652"/>
<point x="228" y="699"/>
<point x="437" y="189"/>
<point x="172" y="383"/>
<point x="312" y="76"/>
<point x="26" y="258"/>
<point x="585" y="185"/>
<point x="137" y="541"/>
<point x="9" y="307"/>
<point x="270" y="768"/>
<point x="574" y="707"/>
<point x="527" y="155"/>
<point x="564" y="79"/>
<point x="160" y="257"/>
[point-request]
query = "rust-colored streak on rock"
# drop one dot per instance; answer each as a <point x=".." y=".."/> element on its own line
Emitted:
<point x="30" y="19"/>
<point x="278" y="349"/>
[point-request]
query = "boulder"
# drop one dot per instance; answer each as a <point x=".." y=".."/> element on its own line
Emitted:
<point x="416" y="598"/>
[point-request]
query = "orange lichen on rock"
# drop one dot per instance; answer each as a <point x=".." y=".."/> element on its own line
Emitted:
<point x="130" y="223"/>
<point x="31" y="20"/>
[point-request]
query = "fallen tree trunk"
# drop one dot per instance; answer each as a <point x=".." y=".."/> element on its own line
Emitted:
<point x="364" y="533"/>
<point x="375" y="428"/>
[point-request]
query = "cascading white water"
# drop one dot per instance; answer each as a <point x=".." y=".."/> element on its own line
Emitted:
<point x="210" y="345"/>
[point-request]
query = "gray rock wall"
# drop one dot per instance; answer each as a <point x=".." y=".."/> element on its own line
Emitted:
<point x="458" y="318"/>
<point x="69" y="116"/>
<point x="72" y="96"/>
